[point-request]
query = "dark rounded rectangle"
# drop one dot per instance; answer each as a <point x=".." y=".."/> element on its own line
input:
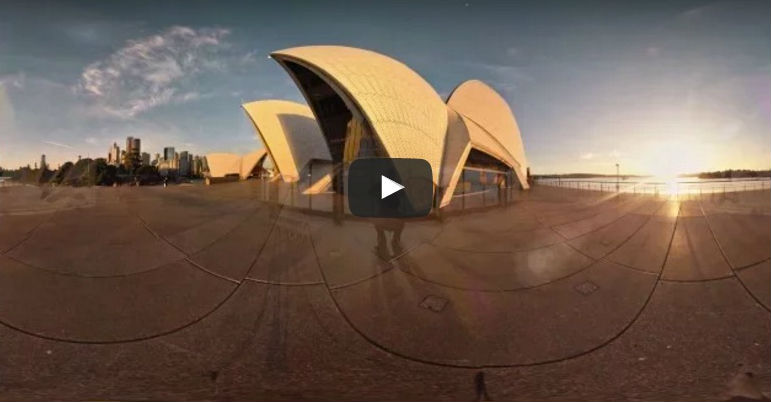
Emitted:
<point x="365" y="192"/>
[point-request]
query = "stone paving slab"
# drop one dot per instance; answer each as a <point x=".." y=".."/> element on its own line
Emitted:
<point x="493" y="271"/>
<point x="502" y="242"/>
<point x="690" y="342"/>
<point x="352" y="251"/>
<point x="745" y="239"/>
<point x="95" y="241"/>
<point x="757" y="279"/>
<point x="469" y="328"/>
<point x="608" y="215"/>
<point x="695" y="255"/>
<point x="358" y="318"/>
<point x="233" y="254"/>
<point x="106" y="309"/>
<point x="602" y="241"/>
<point x="647" y="248"/>
<point x="288" y="256"/>
<point x="16" y="228"/>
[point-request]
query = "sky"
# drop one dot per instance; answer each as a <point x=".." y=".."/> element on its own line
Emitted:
<point x="658" y="87"/>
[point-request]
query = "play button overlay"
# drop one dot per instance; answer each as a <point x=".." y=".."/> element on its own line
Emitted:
<point x="390" y="188"/>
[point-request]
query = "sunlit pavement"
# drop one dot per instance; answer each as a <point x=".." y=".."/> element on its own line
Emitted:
<point x="194" y="292"/>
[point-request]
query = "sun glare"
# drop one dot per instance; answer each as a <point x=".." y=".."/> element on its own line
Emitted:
<point x="666" y="160"/>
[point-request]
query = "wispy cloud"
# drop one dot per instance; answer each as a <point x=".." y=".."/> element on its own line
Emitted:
<point x="58" y="144"/>
<point x="504" y="77"/>
<point x="152" y="71"/>
<point x="587" y="155"/>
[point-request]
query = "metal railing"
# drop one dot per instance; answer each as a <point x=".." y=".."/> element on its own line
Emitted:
<point x="658" y="187"/>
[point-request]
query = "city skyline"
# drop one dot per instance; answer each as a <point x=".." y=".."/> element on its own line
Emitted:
<point x="680" y="86"/>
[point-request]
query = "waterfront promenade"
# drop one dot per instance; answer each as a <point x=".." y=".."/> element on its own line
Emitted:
<point x="232" y="292"/>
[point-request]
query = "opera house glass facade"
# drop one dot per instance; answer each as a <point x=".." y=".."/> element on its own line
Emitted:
<point x="363" y="104"/>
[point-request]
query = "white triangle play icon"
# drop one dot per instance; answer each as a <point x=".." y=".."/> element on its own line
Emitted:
<point x="388" y="187"/>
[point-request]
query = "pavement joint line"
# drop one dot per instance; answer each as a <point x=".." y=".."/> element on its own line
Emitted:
<point x="391" y="262"/>
<point x="88" y="276"/>
<point x="187" y="257"/>
<point x="592" y="262"/>
<point x="730" y="264"/>
<point x="33" y="230"/>
<point x="148" y="337"/>
<point x="743" y="267"/>
<point x="274" y="283"/>
<point x="621" y="244"/>
<point x="588" y="208"/>
<point x="607" y="342"/>
<point x="544" y="226"/>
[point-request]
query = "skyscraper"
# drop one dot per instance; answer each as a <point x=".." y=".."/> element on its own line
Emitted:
<point x="113" y="158"/>
<point x="145" y="159"/>
<point x="168" y="153"/>
<point x="136" y="146"/>
<point x="184" y="164"/>
<point x="133" y="152"/>
<point x="43" y="165"/>
<point x="195" y="168"/>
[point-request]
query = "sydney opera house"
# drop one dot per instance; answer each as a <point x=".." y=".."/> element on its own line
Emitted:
<point x="363" y="104"/>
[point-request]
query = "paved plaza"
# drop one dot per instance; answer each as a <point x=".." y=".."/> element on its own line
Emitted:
<point x="213" y="292"/>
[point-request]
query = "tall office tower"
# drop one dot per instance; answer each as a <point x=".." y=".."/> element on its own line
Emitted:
<point x="135" y="146"/>
<point x="145" y="159"/>
<point x="184" y="164"/>
<point x="156" y="159"/>
<point x="168" y="153"/>
<point x="114" y="156"/>
<point x="195" y="167"/>
<point x="129" y="144"/>
<point x="43" y="165"/>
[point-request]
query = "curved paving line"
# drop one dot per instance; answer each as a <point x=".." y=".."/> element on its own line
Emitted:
<point x="730" y="265"/>
<point x="250" y="214"/>
<point x="582" y="269"/>
<point x="34" y="229"/>
<point x="543" y="226"/>
<point x="186" y="257"/>
<point x="592" y="262"/>
<point x="289" y="284"/>
<point x="227" y="297"/>
<point x="588" y="208"/>
<point x="601" y="345"/>
<point x="390" y="262"/>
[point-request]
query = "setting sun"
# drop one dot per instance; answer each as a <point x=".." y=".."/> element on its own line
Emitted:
<point x="669" y="159"/>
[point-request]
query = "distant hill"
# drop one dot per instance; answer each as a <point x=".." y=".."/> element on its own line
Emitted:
<point x="730" y="174"/>
<point x="579" y="176"/>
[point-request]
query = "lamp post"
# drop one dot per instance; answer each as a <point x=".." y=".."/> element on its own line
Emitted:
<point x="617" y="178"/>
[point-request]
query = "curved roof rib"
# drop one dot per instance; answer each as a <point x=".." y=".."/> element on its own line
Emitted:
<point x="224" y="163"/>
<point x="290" y="134"/>
<point x="404" y="112"/>
<point x="491" y="124"/>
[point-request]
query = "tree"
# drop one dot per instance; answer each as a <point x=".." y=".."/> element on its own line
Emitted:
<point x="106" y="174"/>
<point x="148" y="174"/>
<point x="131" y="161"/>
<point x="62" y="172"/>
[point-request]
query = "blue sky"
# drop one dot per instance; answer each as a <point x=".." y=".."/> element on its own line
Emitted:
<point x="655" y="86"/>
